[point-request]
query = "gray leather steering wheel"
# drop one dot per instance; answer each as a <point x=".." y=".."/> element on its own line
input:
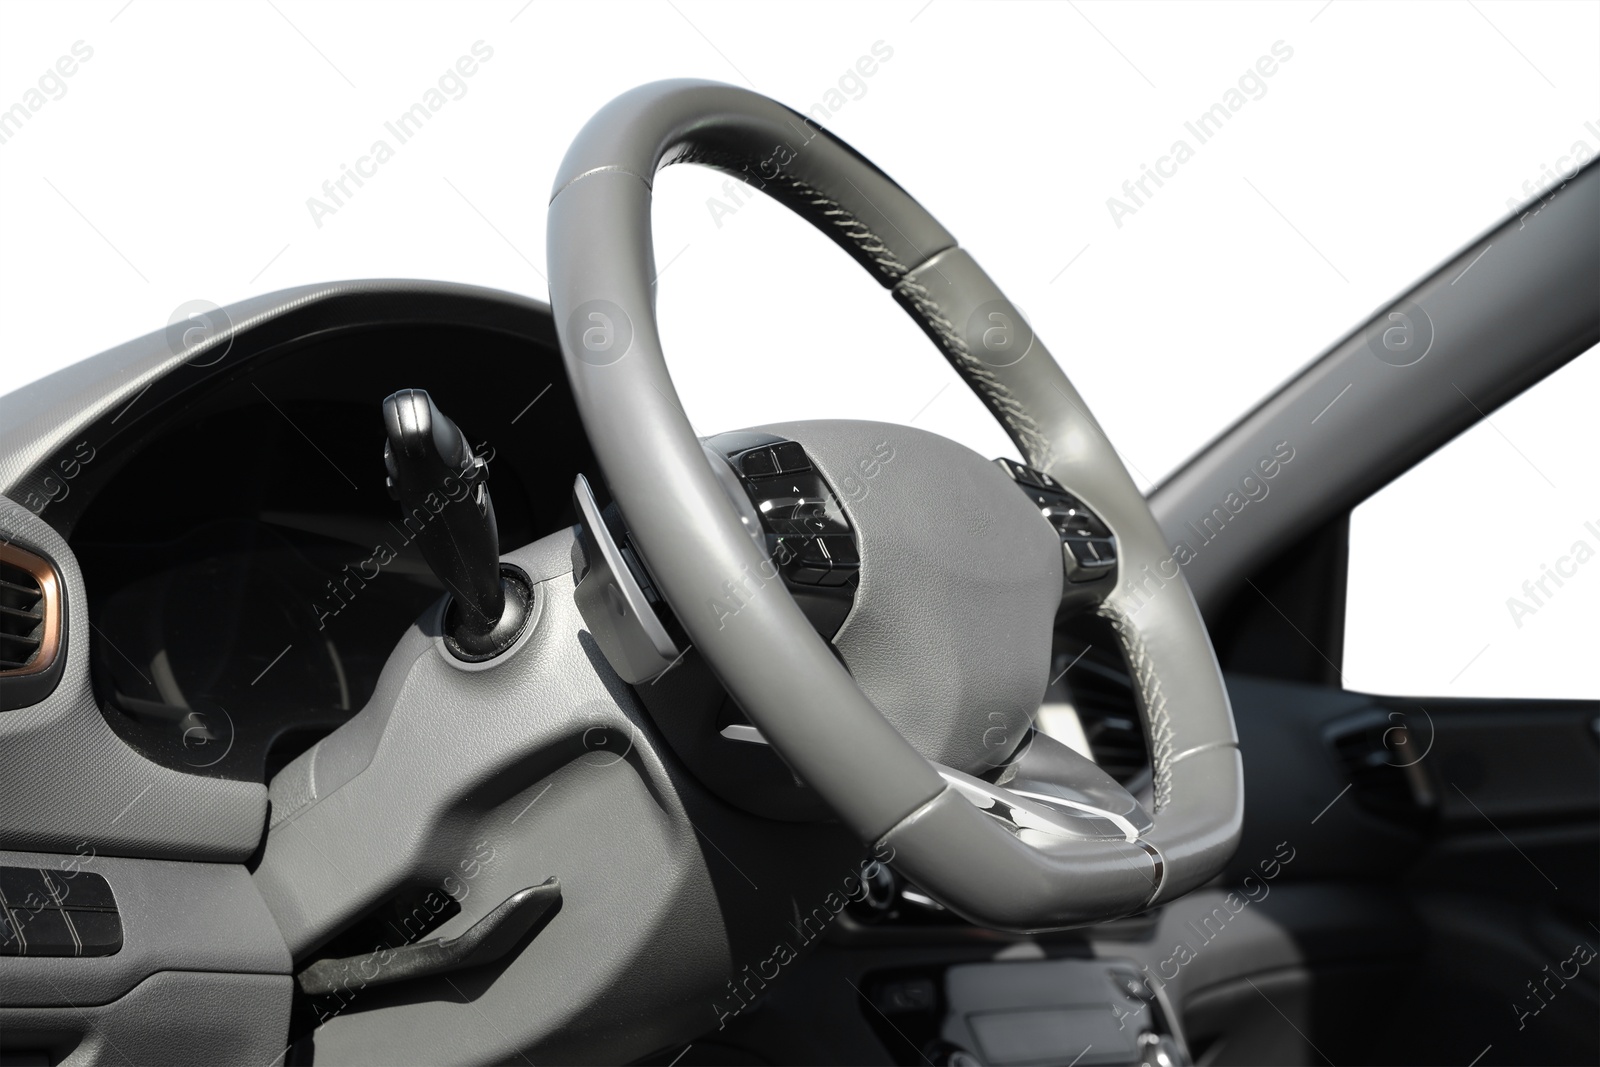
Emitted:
<point x="975" y="567"/>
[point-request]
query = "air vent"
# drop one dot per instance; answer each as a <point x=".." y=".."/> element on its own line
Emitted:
<point x="30" y="621"/>
<point x="1090" y="668"/>
<point x="1103" y="695"/>
<point x="1381" y="760"/>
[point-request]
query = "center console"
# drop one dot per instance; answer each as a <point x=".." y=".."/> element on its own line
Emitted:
<point x="1079" y="1012"/>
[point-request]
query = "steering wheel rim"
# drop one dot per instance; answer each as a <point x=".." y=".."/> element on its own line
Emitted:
<point x="773" y="662"/>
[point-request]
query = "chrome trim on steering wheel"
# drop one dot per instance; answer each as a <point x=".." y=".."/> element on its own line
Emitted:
<point x="1057" y="816"/>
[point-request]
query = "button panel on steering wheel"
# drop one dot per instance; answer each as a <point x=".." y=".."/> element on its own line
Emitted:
<point x="1088" y="548"/>
<point x="804" y="530"/>
<point x="807" y="534"/>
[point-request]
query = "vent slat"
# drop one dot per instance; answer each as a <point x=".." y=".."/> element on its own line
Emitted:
<point x="29" y="616"/>
<point x="1102" y="694"/>
<point x="1376" y="773"/>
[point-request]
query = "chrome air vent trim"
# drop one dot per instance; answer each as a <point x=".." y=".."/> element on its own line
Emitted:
<point x="31" y="626"/>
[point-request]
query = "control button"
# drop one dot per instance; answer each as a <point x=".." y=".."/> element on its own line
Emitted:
<point x="99" y="932"/>
<point x="1088" y="549"/>
<point x="830" y="560"/>
<point x="797" y="504"/>
<point x="44" y="910"/>
<point x="1088" y="558"/>
<point x="1022" y="474"/>
<point x="811" y="563"/>
<point x="83" y="890"/>
<point x="1027" y="476"/>
<point x="841" y="549"/>
<point x="808" y="534"/>
<point x="1078" y="521"/>
<point x="758" y="463"/>
<point x="24" y="887"/>
<point x="791" y="457"/>
<point x="44" y="932"/>
<point x="1082" y="551"/>
<point x="838" y="576"/>
<point x="842" y="560"/>
<point x="784" y="550"/>
<point x="56" y="885"/>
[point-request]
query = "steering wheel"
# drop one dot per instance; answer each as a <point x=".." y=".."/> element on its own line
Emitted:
<point x="946" y="651"/>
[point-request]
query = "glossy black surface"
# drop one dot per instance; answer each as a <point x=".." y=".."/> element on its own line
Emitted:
<point x="1089" y="551"/>
<point x="807" y="533"/>
<point x="57" y="913"/>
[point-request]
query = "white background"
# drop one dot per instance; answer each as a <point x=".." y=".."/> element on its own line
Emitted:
<point x="178" y="163"/>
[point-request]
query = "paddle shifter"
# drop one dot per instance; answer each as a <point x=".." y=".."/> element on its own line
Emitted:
<point x="441" y="486"/>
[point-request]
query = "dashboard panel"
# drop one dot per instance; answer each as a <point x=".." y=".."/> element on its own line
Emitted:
<point x="246" y="570"/>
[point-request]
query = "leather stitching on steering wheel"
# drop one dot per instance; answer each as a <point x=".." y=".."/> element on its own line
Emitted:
<point x="804" y="200"/>
<point x="1151" y="696"/>
<point x="871" y="251"/>
<point x="1007" y="408"/>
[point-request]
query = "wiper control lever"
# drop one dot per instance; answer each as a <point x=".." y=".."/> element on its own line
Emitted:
<point x="441" y="485"/>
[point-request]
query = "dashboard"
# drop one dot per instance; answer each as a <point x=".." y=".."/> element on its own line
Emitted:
<point x="246" y="570"/>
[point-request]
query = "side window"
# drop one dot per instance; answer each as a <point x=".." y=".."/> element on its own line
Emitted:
<point x="1477" y="572"/>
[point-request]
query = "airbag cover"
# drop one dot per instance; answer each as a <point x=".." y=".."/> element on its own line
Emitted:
<point x="960" y="581"/>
